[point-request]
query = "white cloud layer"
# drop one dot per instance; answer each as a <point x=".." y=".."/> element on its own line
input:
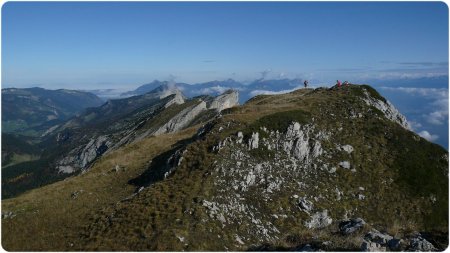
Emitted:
<point x="439" y="114"/>
<point x="213" y="90"/>
<point x="437" y="117"/>
<point x="427" y="136"/>
<point x="271" y="92"/>
<point x="415" y="125"/>
<point x="427" y="92"/>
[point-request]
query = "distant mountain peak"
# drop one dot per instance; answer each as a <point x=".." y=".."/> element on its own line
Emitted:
<point x="167" y="89"/>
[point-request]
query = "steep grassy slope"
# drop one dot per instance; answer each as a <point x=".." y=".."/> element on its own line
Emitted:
<point x="51" y="217"/>
<point x="82" y="139"/>
<point x="226" y="193"/>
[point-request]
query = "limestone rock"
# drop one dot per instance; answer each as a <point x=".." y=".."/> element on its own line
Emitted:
<point x="319" y="220"/>
<point x="371" y="247"/>
<point x="8" y="215"/>
<point x="228" y="99"/>
<point x="240" y="137"/>
<point x="345" y="164"/>
<point x="305" y="205"/>
<point x="82" y="156"/>
<point x="421" y="244"/>
<point x="254" y="141"/>
<point x="380" y="238"/>
<point x="347" y="148"/>
<point x="182" y="119"/>
<point x="299" y="143"/>
<point x="177" y="99"/>
<point x="93" y="149"/>
<point x="350" y="226"/>
<point x="389" y="111"/>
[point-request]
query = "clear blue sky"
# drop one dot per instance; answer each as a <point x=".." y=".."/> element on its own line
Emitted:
<point x="98" y="45"/>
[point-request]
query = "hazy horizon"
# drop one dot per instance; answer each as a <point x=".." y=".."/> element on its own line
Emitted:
<point x="401" y="48"/>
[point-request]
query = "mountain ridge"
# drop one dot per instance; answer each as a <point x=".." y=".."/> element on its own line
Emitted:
<point x="72" y="146"/>
<point x="280" y="172"/>
<point x="217" y="87"/>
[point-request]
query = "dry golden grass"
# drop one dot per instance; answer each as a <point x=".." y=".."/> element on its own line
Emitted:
<point x="48" y="218"/>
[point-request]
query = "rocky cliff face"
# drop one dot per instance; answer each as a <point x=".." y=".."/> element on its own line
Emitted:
<point x="169" y="90"/>
<point x="101" y="143"/>
<point x="81" y="157"/>
<point x="182" y="119"/>
<point x="387" y="108"/>
<point x="228" y="99"/>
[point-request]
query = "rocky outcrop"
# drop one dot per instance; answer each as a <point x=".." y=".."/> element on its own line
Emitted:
<point x="345" y="164"/>
<point x="376" y="236"/>
<point x="300" y="145"/>
<point x="82" y="156"/>
<point x="319" y="220"/>
<point x="93" y="149"/>
<point x="240" y="137"/>
<point x="182" y="119"/>
<point x="8" y="215"/>
<point x="253" y="142"/>
<point x="305" y="205"/>
<point x="228" y="99"/>
<point x="177" y="99"/>
<point x="375" y="240"/>
<point x="346" y="148"/>
<point x="284" y="158"/>
<point x="388" y="109"/>
<point x="350" y="226"/>
<point x="372" y="247"/>
<point x="420" y="244"/>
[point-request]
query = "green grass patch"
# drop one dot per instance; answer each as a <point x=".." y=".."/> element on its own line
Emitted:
<point x="420" y="165"/>
<point x="358" y="91"/>
<point x="277" y="121"/>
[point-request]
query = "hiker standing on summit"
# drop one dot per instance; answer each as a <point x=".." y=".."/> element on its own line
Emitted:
<point x="305" y="83"/>
<point x="338" y="83"/>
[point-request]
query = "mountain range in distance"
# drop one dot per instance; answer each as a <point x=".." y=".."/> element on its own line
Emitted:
<point x="246" y="90"/>
<point x="32" y="111"/>
<point x="416" y="107"/>
<point x="405" y="93"/>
